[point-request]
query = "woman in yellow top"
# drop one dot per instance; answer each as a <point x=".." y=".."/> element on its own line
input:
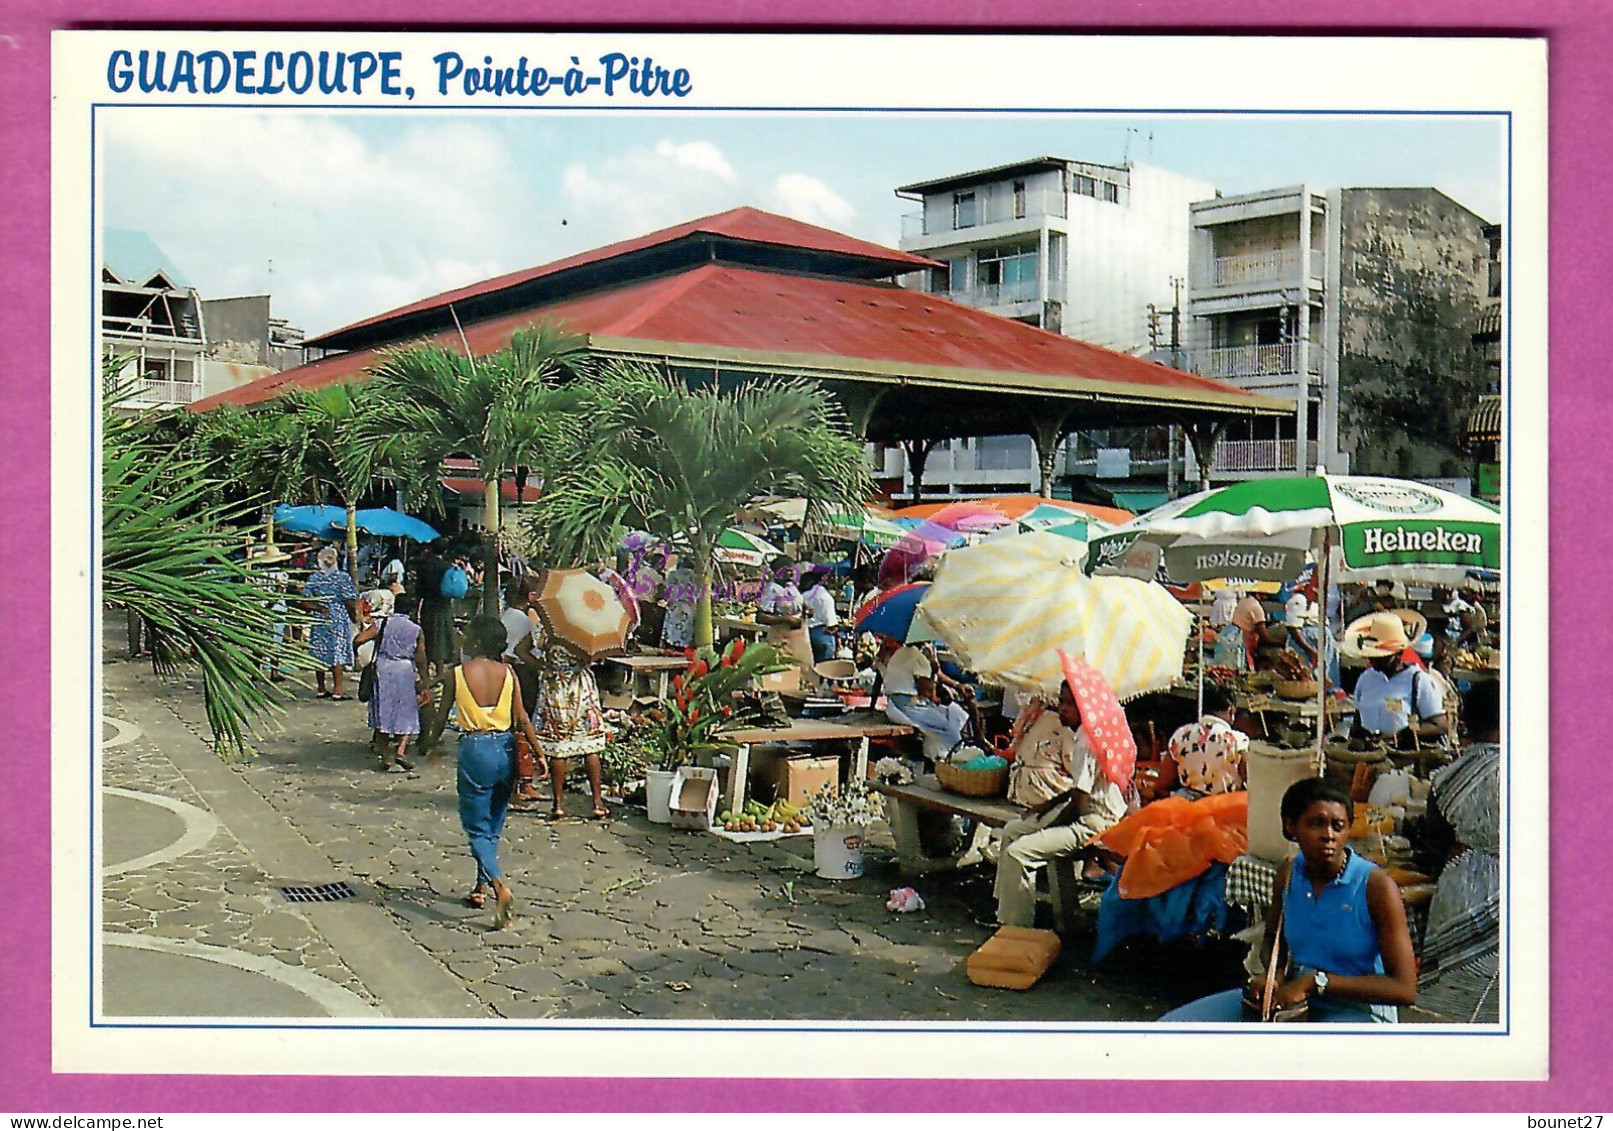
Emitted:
<point x="488" y="700"/>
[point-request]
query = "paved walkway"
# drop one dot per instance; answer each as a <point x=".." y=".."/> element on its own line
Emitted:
<point x="616" y="919"/>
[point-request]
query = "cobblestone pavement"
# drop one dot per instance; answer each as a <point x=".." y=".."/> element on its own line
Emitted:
<point x="616" y="919"/>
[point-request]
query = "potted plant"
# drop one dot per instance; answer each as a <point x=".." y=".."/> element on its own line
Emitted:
<point x="702" y="707"/>
<point x="839" y="815"/>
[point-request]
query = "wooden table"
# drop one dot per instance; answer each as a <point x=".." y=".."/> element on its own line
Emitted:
<point x="736" y="626"/>
<point x="858" y="727"/>
<point x="904" y="804"/>
<point x="650" y="674"/>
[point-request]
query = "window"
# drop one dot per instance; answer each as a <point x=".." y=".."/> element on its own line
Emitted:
<point x="957" y="274"/>
<point x="1019" y="200"/>
<point x="1109" y="192"/>
<point x="963" y="210"/>
<point x="1011" y="269"/>
<point x="1084" y="186"/>
<point x="1005" y="453"/>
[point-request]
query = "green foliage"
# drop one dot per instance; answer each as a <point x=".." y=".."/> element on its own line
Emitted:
<point x="703" y="705"/>
<point x="683" y="463"/>
<point x="165" y="541"/>
<point x="507" y="409"/>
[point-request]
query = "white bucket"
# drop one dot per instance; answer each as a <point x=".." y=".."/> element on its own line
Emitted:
<point x="838" y="853"/>
<point x="658" y="795"/>
<point x="1271" y="770"/>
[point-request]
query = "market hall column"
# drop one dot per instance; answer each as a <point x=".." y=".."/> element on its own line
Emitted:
<point x="918" y="454"/>
<point x="1204" y="435"/>
<point x="1048" y="430"/>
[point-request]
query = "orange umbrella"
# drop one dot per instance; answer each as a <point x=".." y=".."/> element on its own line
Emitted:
<point x="580" y="610"/>
<point x="1013" y="506"/>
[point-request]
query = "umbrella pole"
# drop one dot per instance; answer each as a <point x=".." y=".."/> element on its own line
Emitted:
<point x="1198" y="630"/>
<point x="1321" y="653"/>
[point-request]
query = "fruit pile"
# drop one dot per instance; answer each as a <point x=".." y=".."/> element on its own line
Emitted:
<point x="1218" y="673"/>
<point x="755" y="817"/>
<point x="1291" y="665"/>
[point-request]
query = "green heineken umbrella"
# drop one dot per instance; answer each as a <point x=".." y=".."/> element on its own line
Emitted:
<point x="1262" y="528"/>
<point x="1362" y="528"/>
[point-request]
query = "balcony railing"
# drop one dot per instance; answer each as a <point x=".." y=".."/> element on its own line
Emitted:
<point x="997" y="294"/>
<point x="1256" y="361"/>
<point x="150" y="393"/>
<point x="1275" y="266"/>
<point x="1260" y="455"/>
<point x="996" y="208"/>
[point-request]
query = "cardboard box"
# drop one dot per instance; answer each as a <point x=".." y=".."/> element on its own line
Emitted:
<point x="694" y="797"/>
<point x="783" y="773"/>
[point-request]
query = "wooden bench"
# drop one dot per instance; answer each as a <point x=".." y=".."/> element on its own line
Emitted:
<point x="904" y="804"/>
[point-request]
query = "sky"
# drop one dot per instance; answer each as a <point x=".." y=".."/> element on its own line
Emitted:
<point x="339" y="217"/>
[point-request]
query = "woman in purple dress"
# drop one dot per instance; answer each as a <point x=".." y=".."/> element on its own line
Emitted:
<point x="400" y="669"/>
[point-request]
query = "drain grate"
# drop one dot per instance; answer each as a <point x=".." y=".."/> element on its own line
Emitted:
<point x="318" y="893"/>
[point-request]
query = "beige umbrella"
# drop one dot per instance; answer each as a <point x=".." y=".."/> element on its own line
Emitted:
<point x="582" y="611"/>
<point x="1005" y="608"/>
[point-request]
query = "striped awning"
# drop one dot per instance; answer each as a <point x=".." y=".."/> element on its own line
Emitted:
<point x="1484" y="423"/>
<point x="1489" y="323"/>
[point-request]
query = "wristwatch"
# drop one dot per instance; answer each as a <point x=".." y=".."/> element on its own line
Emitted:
<point x="1321" y="983"/>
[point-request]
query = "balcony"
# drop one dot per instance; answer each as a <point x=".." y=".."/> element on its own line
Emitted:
<point x="997" y="208"/>
<point x="1232" y="456"/>
<point x="150" y="392"/>
<point x="997" y="294"/>
<point x="1272" y="360"/>
<point x="1278" y="265"/>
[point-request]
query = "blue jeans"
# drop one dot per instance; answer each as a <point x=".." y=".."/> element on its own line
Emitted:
<point x="823" y="644"/>
<point x="486" y="768"/>
<point x="1227" y="1007"/>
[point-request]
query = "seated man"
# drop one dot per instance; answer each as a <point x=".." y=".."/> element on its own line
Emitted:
<point x="1052" y="750"/>
<point x="1393" y="698"/>
<point x="1209" y="753"/>
<point x="912" y="683"/>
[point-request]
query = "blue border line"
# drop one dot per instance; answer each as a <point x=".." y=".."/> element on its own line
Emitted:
<point x="973" y="1028"/>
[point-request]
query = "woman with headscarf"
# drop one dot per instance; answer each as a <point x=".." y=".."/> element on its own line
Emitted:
<point x="400" y="668"/>
<point x="335" y="606"/>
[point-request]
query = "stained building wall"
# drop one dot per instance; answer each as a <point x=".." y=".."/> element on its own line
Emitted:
<point x="1412" y="288"/>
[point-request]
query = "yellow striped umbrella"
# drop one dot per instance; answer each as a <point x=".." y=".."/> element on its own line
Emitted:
<point x="1006" y="607"/>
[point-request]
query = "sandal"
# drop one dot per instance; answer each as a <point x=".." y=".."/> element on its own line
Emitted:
<point x="600" y="813"/>
<point x="505" y="910"/>
<point x="321" y="695"/>
<point x="403" y="764"/>
<point x="477" y="898"/>
<point x="340" y="698"/>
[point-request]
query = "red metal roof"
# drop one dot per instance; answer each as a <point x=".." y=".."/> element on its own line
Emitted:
<point x="731" y="307"/>
<point x="749" y="224"/>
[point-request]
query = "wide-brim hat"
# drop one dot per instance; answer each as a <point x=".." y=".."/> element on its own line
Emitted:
<point x="1382" y="634"/>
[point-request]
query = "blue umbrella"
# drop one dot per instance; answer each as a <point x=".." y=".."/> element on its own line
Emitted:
<point x="388" y="523"/>
<point x="319" y="520"/>
<point x="891" y="614"/>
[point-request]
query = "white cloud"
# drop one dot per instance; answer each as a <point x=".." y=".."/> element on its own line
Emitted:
<point x="697" y="155"/>
<point x="646" y="188"/>
<point x="809" y="200"/>
<point x="354" y="224"/>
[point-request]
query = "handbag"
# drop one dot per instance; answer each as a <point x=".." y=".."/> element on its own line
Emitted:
<point x="1264" y="1007"/>
<point x="366" y="678"/>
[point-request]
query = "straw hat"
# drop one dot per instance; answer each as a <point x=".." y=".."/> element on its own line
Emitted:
<point x="1382" y="634"/>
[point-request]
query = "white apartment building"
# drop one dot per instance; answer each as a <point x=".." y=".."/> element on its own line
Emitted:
<point x="1075" y="247"/>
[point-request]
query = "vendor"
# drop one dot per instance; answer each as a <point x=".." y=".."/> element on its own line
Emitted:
<point x="819" y="613"/>
<point x="1209" y="754"/>
<point x="1249" y="616"/>
<point x="1068" y="802"/>
<point x="1341" y="917"/>
<point x="1392" y="697"/>
<point x="1304" y="638"/>
<point x="782" y="607"/>
<point x="913" y="685"/>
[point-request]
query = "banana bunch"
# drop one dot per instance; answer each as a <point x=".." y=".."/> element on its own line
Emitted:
<point x="758" y="818"/>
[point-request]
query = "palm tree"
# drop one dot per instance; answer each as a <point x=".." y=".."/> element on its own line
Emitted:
<point x="682" y="463"/>
<point x="260" y="452"/>
<point x="506" y="409"/>
<point x="329" y="427"/>
<point x="165" y="542"/>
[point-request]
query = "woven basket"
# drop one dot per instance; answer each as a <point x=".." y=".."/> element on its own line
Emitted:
<point x="1295" y="688"/>
<point x="972" y="783"/>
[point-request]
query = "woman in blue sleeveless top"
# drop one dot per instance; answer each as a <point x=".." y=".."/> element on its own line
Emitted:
<point x="1343" y="920"/>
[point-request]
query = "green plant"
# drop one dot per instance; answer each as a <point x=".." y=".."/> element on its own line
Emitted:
<point x="636" y="747"/>
<point x="703" y="706"/>
<point x="853" y="805"/>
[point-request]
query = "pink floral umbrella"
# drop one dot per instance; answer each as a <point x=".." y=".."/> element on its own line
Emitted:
<point x="1103" y="718"/>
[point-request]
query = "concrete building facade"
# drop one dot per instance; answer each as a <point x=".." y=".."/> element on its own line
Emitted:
<point x="177" y="346"/>
<point x="1358" y="303"/>
<point x="1078" y="248"/>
